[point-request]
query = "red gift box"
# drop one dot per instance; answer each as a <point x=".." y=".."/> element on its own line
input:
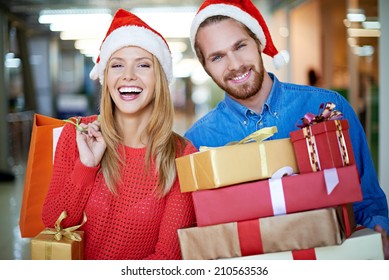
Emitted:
<point x="323" y="145"/>
<point x="272" y="197"/>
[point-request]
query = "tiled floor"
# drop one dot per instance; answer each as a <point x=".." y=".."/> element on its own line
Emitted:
<point x="12" y="246"/>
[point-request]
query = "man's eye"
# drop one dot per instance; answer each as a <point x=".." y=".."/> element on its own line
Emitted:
<point x="241" y="46"/>
<point x="216" y="58"/>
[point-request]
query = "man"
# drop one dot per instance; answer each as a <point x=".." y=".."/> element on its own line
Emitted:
<point x="229" y="38"/>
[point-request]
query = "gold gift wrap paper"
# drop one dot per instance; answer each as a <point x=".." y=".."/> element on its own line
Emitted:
<point x="233" y="164"/>
<point x="46" y="247"/>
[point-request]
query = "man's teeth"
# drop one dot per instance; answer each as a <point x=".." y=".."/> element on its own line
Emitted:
<point x="240" y="77"/>
<point x="130" y="90"/>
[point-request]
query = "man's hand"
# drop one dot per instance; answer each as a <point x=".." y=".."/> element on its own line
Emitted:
<point x="385" y="240"/>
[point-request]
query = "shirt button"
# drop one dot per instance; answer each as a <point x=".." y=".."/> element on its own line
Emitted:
<point x="275" y="114"/>
<point x="244" y="122"/>
<point x="251" y="112"/>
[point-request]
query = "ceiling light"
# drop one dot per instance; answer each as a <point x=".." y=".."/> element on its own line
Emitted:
<point x="356" y="15"/>
<point x="363" y="50"/>
<point x="170" y="22"/>
<point x="79" y="15"/>
<point x="371" y="25"/>
<point x="11" y="61"/>
<point x="360" y="32"/>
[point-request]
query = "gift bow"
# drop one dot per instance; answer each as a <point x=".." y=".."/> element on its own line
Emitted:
<point x="257" y="136"/>
<point x="58" y="231"/>
<point x="328" y="113"/>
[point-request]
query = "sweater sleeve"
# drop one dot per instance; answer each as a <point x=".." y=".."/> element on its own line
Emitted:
<point x="71" y="182"/>
<point x="179" y="213"/>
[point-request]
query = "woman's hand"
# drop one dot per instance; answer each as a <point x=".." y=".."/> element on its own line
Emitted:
<point x="90" y="143"/>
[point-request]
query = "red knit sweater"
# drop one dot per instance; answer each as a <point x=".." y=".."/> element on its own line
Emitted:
<point x="134" y="224"/>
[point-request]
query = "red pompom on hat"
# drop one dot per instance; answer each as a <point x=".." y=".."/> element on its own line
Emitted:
<point x="245" y="12"/>
<point x="129" y="30"/>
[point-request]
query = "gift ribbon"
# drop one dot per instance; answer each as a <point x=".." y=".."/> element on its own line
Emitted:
<point x="250" y="240"/>
<point x="312" y="150"/>
<point x="193" y="170"/>
<point x="60" y="232"/>
<point x="276" y="187"/>
<point x="257" y="136"/>
<point x="304" y="254"/>
<point x="277" y="195"/>
<point x="346" y="220"/>
<point x="342" y="144"/>
<point x="311" y="147"/>
<point x="76" y="122"/>
<point x="331" y="179"/>
<point x="328" y="113"/>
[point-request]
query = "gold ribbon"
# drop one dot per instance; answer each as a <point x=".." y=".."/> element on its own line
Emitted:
<point x="257" y="136"/>
<point x="76" y="122"/>
<point x="60" y="232"/>
<point x="342" y="143"/>
<point x="311" y="145"/>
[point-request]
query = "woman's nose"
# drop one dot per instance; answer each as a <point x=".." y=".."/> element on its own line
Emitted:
<point x="129" y="74"/>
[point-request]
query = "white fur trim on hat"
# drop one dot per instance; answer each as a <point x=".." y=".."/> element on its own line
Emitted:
<point x="133" y="36"/>
<point x="230" y="11"/>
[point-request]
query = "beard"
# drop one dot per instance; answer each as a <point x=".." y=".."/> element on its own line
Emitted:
<point x="248" y="89"/>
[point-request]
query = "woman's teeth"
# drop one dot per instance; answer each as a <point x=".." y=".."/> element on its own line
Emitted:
<point x="125" y="90"/>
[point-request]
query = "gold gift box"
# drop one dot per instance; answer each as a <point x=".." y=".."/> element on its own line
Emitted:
<point x="233" y="164"/>
<point x="46" y="247"/>
<point x="295" y="231"/>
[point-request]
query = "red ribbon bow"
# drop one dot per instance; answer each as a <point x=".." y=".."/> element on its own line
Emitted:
<point x="328" y="113"/>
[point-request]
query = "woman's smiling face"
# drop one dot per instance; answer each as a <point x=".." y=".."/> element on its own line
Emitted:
<point x="131" y="80"/>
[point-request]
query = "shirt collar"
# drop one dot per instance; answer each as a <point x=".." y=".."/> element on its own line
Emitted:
<point x="272" y="102"/>
<point x="236" y="108"/>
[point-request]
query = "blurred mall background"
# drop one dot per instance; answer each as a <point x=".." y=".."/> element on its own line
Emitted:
<point x="44" y="69"/>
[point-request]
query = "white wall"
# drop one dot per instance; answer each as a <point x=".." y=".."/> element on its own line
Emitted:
<point x="384" y="97"/>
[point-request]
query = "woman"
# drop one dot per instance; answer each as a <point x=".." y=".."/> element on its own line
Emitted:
<point x="120" y="168"/>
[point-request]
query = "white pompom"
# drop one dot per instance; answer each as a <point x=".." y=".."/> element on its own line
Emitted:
<point x="281" y="59"/>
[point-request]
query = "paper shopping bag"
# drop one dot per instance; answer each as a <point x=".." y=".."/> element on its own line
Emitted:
<point x="38" y="174"/>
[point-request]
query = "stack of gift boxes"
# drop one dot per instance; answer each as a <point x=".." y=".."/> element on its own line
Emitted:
<point x="277" y="199"/>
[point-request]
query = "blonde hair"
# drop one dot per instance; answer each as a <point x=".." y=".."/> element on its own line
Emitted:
<point x="162" y="145"/>
<point x="216" y="19"/>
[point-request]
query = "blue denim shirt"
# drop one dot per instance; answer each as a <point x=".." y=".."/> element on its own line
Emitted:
<point x="287" y="103"/>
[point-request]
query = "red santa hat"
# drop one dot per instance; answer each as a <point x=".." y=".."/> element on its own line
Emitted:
<point x="245" y="12"/>
<point x="129" y="30"/>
